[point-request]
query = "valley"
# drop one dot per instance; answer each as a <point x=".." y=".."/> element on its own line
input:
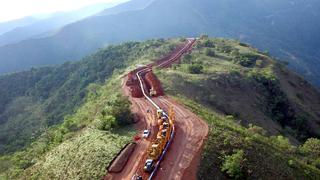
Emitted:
<point x="159" y="89"/>
<point x="220" y="93"/>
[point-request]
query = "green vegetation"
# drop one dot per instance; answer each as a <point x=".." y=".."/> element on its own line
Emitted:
<point x="69" y="121"/>
<point x="246" y="152"/>
<point x="250" y="112"/>
<point x="80" y="140"/>
<point x="195" y="68"/>
<point x="210" y="53"/>
<point x="33" y="100"/>
<point x="94" y="117"/>
<point x="241" y="81"/>
<point x="233" y="164"/>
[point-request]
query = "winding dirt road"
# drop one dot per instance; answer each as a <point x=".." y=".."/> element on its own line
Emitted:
<point x="183" y="157"/>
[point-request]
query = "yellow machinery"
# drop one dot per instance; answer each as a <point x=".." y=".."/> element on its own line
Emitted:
<point x="153" y="92"/>
<point x="165" y="124"/>
<point x="159" y="113"/>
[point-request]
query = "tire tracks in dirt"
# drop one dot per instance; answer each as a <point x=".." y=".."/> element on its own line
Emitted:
<point x="183" y="157"/>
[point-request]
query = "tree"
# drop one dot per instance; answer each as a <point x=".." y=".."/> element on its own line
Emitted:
<point x="233" y="164"/>
<point x="120" y="109"/>
<point x="195" y="68"/>
<point x="312" y="147"/>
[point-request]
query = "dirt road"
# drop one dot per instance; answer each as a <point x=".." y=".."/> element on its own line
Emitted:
<point x="183" y="156"/>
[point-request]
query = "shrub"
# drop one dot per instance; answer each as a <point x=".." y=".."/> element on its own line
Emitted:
<point x="230" y="117"/>
<point x="291" y="163"/>
<point x="233" y="164"/>
<point x="208" y="43"/>
<point x="244" y="44"/>
<point x="105" y="123"/>
<point x="312" y="146"/>
<point x="210" y="53"/>
<point x="187" y="59"/>
<point x="282" y="142"/>
<point x="224" y="48"/>
<point x="121" y="111"/>
<point x="245" y="60"/>
<point x="195" y="68"/>
<point x="256" y="129"/>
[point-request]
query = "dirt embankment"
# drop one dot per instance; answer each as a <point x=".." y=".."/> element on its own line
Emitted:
<point x="183" y="156"/>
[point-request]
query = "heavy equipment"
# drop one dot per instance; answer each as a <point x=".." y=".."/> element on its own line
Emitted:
<point x="153" y="92"/>
<point x="157" y="147"/>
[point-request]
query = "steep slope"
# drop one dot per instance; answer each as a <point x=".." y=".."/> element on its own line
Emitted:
<point x="93" y="115"/>
<point x="288" y="29"/>
<point x="250" y="103"/>
<point x="35" y="99"/>
<point x="238" y="80"/>
<point x="227" y="83"/>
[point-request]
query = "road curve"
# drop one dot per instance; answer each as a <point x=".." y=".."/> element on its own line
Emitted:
<point x="182" y="158"/>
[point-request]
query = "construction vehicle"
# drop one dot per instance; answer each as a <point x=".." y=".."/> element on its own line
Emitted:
<point x="157" y="147"/>
<point x="159" y="113"/>
<point x="153" y="92"/>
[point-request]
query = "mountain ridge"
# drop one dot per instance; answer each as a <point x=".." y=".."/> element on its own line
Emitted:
<point x="262" y="24"/>
<point x="249" y="101"/>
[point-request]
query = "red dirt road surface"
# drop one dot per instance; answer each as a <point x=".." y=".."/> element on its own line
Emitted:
<point x="183" y="157"/>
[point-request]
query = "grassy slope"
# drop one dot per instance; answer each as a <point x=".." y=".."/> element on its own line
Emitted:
<point x="264" y="157"/>
<point x="230" y="93"/>
<point x="87" y="140"/>
<point x="240" y="81"/>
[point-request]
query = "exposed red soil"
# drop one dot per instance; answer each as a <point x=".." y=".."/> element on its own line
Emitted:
<point x="121" y="160"/>
<point x="153" y="82"/>
<point x="182" y="158"/>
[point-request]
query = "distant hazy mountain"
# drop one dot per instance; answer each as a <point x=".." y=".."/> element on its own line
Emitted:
<point x="132" y="5"/>
<point x="10" y="25"/>
<point x="50" y="25"/>
<point x="289" y="29"/>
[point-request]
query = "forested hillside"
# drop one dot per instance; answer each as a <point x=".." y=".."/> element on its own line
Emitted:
<point x="34" y="100"/>
<point x="287" y="29"/>
<point x="263" y="119"/>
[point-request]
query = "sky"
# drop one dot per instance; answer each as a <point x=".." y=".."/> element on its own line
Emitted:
<point x="15" y="9"/>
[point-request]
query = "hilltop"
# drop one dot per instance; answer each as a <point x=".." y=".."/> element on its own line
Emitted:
<point x="261" y="116"/>
<point x="276" y="26"/>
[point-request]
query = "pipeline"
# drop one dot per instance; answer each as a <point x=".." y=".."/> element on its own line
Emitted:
<point x="158" y="108"/>
<point x="142" y="86"/>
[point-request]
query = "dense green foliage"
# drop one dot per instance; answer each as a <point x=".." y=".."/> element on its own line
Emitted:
<point x="241" y="81"/>
<point x="85" y="120"/>
<point x="33" y="100"/>
<point x="78" y="140"/>
<point x="247" y="152"/>
<point x="250" y="112"/>
<point x="195" y="68"/>
<point x="91" y="130"/>
<point x="233" y="164"/>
